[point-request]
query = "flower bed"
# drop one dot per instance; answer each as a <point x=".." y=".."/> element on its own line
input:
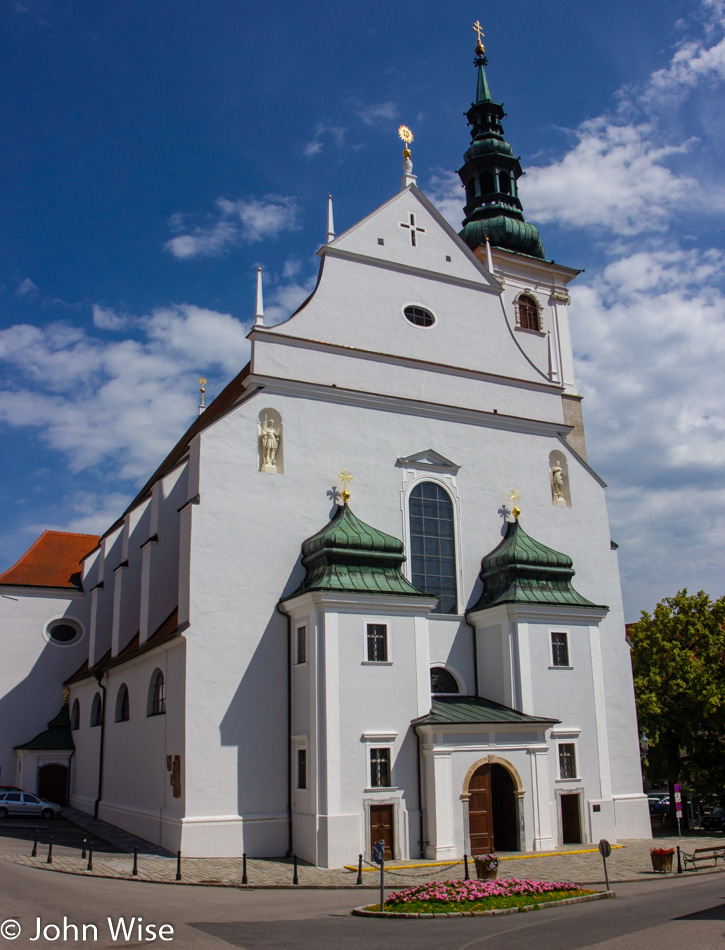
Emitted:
<point x="445" y="897"/>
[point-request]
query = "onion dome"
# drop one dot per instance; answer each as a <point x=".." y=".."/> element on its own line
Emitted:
<point x="348" y="555"/>
<point x="524" y="571"/>
<point x="490" y="175"/>
<point x="57" y="736"/>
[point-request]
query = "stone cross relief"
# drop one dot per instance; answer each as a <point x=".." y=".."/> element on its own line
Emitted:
<point x="413" y="228"/>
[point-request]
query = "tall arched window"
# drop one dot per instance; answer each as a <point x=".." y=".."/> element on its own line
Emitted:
<point x="432" y="544"/>
<point x="123" y="709"/>
<point x="528" y="313"/>
<point x="97" y="710"/>
<point x="75" y="715"/>
<point x="157" y="695"/>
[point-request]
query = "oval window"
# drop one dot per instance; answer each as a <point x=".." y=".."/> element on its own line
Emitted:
<point x="63" y="632"/>
<point x="419" y="317"/>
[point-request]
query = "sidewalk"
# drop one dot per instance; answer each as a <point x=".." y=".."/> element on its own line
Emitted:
<point x="630" y="861"/>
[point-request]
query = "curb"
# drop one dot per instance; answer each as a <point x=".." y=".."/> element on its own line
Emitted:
<point x="601" y="895"/>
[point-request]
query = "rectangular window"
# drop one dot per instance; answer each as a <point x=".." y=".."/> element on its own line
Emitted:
<point x="377" y="642"/>
<point x="302" y="768"/>
<point x="301" y="645"/>
<point x="567" y="760"/>
<point x="380" y="768"/>
<point x="559" y="649"/>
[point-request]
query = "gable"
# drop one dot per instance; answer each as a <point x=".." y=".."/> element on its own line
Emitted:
<point x="429" y="460"/>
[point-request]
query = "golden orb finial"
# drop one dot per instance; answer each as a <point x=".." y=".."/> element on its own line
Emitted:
<point x="345" y="477"/>
<point x="478" y="30"/>
<point x="515" y="495"/>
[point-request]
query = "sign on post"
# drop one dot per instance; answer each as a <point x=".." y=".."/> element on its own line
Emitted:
<point x="379" y="858"/>
<point x="678" y="809"/>
<point x="605" y="849"/>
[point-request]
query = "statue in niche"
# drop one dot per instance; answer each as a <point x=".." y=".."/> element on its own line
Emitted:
<point x="557" y="484"/>
<point x="269" y="436"/>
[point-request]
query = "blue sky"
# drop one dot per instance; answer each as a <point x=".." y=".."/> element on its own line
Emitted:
<point x="155" y="153"/>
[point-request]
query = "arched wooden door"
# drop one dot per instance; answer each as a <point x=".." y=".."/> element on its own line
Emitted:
<point x="480" y="819"/>
<point x="53" y="783"/>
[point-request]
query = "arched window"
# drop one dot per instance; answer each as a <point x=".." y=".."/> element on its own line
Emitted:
<point x="75" y="715"/>
<point x="157" y="695"/>
<point x="527" y="312"/>
<point x="442" y="681"/>
<point x="97" y="710"/>
<point x="432" y="545"/>
<point x="123" y="710"/>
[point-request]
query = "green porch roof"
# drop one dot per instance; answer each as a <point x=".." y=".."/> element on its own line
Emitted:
<point x="348" y="555"/>
<point x="524" y="571"/>
<point x="56" y="737"/>
<point x="467" y="710"/>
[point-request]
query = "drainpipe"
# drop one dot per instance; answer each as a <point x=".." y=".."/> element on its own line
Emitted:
<point x="99" y="677"/>
<point x="420" y="797"/>
<point x="289" y="728"/>
<point x="475" y="656"/>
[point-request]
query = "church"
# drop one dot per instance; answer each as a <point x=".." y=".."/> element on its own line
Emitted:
<point x="371" y="592"/>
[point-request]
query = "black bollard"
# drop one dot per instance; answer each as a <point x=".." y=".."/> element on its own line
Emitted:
<point x="679" y="860"/>
<point x="83" y="852"/>
<point x="359" y="869"/>
<point x="34" y="852"/>
<point x="134" y="873"/>
<point x="466" y="875"/>
<point x="50" y="851"/>
<point x="295" y="879"/>
<point x="178" y="865"/>
<point x="244" y="867"/>
<point x="89" y="867"/>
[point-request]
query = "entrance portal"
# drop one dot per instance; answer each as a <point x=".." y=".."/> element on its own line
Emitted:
<point x="53" y="783"/>
<point x="492" y="810"/>
<point x="570" y="822"/>
<point x="381" y="828"/>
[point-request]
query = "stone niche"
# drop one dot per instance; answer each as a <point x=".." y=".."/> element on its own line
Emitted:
<point x="270" y="442"/>
<point x="559" y="480"/>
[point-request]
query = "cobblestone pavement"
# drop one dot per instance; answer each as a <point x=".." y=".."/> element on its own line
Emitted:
<point x="630" y="861"/>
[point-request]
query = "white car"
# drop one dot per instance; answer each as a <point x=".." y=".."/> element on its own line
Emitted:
<point x="25" y="803"/>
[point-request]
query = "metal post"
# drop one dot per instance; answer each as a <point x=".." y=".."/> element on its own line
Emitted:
<point x="679" y="860"/>
<point x="178" y="865"/>
<point x="90" y="856"/>
<point x="382" y="884"/>
<point x="295" y="879"/>
<point x="34" y="852"/>
<point x="244" y="868"/>
<point x="83" y="852"/>
<point x="606" y="876"/>
<point x="466" y="875"/>
<point x="50" y="851"/>
<point x="134" y="873"/>
<point x="359" y="869"/>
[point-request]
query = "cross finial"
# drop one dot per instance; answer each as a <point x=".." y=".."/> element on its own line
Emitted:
<point x="202" y="390"/>
<point x="66" y="694"/>
<point x="515" y="496"/>
<point x="407" y="136"/>
<point x="478" y="30"/>
<point x="345" y="477"/>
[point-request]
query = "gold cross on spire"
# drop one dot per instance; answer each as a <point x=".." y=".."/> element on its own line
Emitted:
<point x="478" y="30"/>
<point x="345" y="477"/>
<point x="515" y="496"/>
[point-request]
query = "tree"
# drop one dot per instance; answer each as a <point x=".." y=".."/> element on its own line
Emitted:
<point x="678" y="660"/>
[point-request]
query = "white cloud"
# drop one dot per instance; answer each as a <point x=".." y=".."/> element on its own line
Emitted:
<point x="241" y="221"/>
<point x="26" y="288"/>
<point x="382" y="112"/>
<point x="325" y="132"/>
<point x="123" y="401"/>
<point x="107" y="319"/>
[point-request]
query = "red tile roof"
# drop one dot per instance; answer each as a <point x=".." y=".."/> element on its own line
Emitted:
<point x="54" y="560"/>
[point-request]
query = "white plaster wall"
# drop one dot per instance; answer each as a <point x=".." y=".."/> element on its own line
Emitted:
<point x="32" y="669"/>
<point x="87" y="739"/>
<point x="164" y="566"/>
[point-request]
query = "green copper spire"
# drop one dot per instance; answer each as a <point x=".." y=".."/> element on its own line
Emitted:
<point x="524" y="571"/>
<point x="490" y="175"/>
<point x="349" y="555"/>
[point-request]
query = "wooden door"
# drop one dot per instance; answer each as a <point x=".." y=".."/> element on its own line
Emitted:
<point x="480" y="824"/>
<point x="53" y="783"/>
<point x="381" y="828"/>
<point x="570" y="824"/>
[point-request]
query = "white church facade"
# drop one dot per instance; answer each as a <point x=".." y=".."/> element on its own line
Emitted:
<point x="264" y="657"/>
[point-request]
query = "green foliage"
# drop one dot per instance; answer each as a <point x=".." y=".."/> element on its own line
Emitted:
<point x="678" y="659"/>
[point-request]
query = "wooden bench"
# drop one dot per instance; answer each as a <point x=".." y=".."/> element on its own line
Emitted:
<point x="703" y="854"/>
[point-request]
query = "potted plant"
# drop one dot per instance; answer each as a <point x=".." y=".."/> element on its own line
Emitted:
<point x="661" y="859"/>
<point x="486" y="866"/>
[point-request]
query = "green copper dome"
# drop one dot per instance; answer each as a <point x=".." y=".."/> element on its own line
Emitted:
<point x="490" y="175"/>
<point x="348" y="555"/>
<point x="524" y="571"/>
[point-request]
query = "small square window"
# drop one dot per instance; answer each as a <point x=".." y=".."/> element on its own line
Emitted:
<point x="567" y="760"/>
<point x="302" y="768"/>
<point x="380" y="768"/>
<point x="377" y="638"/>
<point x="381" y="241"/>
<point x="301" y="645"/>
<point x="559" y="649"/>
<point x="448" y="258"/>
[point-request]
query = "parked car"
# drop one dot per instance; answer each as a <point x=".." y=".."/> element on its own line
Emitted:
<point x="24" y="803"/>
<point x="9" y="788"/>
<point x="715" y="821"/>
